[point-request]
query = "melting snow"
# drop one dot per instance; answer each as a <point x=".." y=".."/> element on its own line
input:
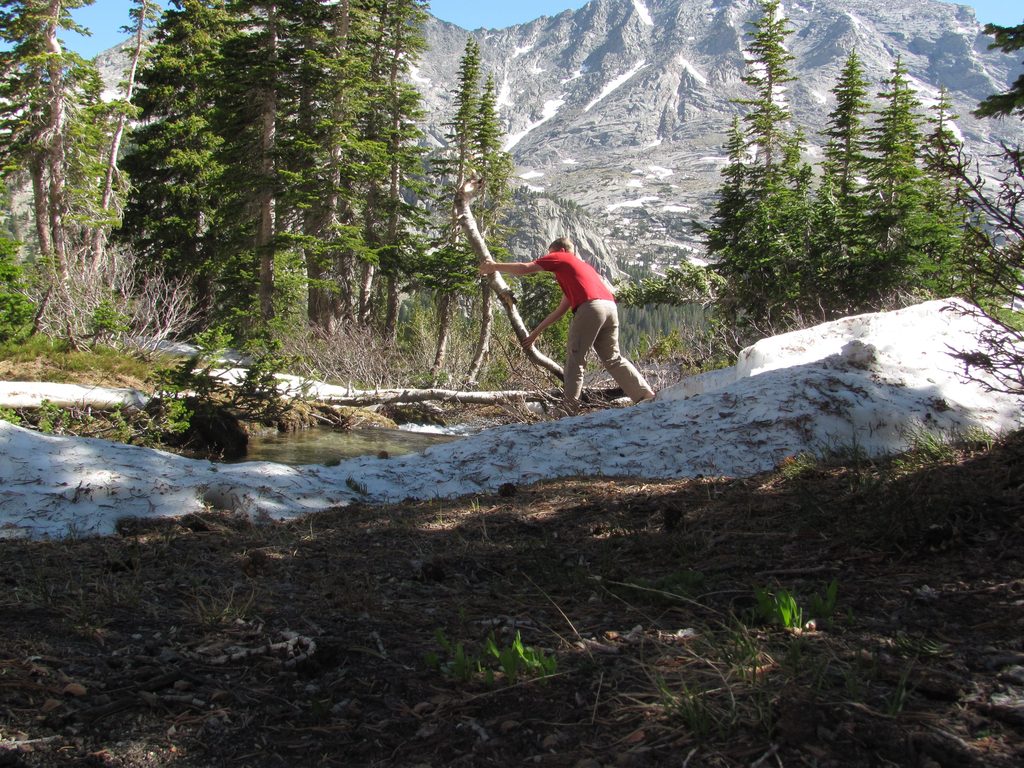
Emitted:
<point x="676" y="209"/>
<point x="643" y="13"/>
<point x="551" y="108"/>
<point x="614" y="84"/>
<point x="531" y="175"/>
<point x="638" y="203"/>
<point x="870" y="382"/>
<point x="693" y="71"/>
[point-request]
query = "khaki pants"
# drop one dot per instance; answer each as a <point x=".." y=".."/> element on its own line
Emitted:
<point x="595" y="324"/>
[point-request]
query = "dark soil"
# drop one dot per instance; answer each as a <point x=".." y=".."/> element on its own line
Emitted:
<point x="359" y="637"/>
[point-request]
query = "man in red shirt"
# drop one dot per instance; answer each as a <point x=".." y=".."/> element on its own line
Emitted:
<point x="595" y="322"/>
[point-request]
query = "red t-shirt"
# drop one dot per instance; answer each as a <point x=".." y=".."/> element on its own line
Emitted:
<point x="579" y="281"/>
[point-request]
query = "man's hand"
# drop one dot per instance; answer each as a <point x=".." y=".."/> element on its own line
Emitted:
<point x="529" y="340"/>
<point x="487" y="267"/>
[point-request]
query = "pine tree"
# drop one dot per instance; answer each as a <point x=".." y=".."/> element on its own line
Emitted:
<point x="1008" y="40"/>
<point x="143" y="15"/>
<point x="450" y="268"/>
<point x="393" y="220"/>
<point x="897" y="220"/>
<point x="760" y="234"/>
<point x="44" y="95"/>
<point x="173" y="217"/>
<point x="494" y="167"/>
<point x="840" y="202"/>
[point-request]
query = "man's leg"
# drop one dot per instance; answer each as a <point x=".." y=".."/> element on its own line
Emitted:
<point x="606" y="344"/>
<point x="586" y="322"/>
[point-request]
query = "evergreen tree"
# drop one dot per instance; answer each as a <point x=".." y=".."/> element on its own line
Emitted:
<point x="449" y="269"/>
<point x="897" y="220"/>
<point x="944" y="241"/>
<point x="173" y="218"/>
<point x="46" y="101"/>
<point x="143" y="14"/>
<point x="393" y="220"/>
<point x="1008" y="40"/>
<point x="760" y="234"/>
<point x="840" y="241"/>
<point x="494" y="167"/>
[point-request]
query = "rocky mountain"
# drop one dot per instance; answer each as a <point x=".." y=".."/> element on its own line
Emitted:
<point x="616" y="114"/>
<point x="622" y="106"/>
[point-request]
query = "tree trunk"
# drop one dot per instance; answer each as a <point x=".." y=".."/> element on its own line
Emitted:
<point x="463" y="197"/>
<point x="444" y="320"/>
<point x="483" y="345"/>
<point x="265" y="196"/>
<point x="41" y="208"/>
<point x="56" y="155"/>
<point x="100" y="233"/>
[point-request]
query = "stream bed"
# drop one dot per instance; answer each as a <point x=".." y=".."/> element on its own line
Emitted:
<point x="328" y="446"/>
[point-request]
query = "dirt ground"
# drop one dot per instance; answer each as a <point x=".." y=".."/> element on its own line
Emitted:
<point x="650" y="616"/>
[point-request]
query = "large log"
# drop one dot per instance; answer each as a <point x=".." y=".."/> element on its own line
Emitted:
<point x="31" y="394"/>
<point x="463" y="199"/>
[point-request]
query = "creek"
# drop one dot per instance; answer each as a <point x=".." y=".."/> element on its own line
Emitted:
<point x="328" y="446"/>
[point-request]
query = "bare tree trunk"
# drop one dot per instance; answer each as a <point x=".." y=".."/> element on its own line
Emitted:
<point x="41" y="208"/>
<point x="366" y="293"/>
<point x="56" y="155"/>
<point x="444" y="322"/>
<point x="386" y="396"/>
<point x="463" y="197"/>
<point x="266" y="202"/>
<point x="483" y="345"/>
<point x="391" y="315"/>
<point x="100" y="233"/>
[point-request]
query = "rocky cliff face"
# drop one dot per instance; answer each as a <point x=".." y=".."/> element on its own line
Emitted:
<point x="622" y="107"/>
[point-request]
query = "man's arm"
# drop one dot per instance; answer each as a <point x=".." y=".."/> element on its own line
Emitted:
<point x="551" y="319"/>
<point x="510" y="268"/>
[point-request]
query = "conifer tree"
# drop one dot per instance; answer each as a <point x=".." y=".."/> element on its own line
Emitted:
<point x="1008" y="40"/>
<point x="450" y="268"/>
<point x="44" y="95"/>
<point x="494" y="167"/>
<point x="840" y="202"/>
<point x="760" y="233"/>
<point x="393" y="220"/>
<point x="897" y="219"/>
<point x="173" y="217"/>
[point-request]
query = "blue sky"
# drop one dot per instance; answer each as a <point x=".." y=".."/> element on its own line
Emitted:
<point x="104" y="18"/>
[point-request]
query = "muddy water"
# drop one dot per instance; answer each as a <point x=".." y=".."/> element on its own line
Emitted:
<point x="325" y="446"/>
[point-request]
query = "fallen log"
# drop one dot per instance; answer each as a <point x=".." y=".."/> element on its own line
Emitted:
<point x="32" y="394"/>
<point x="400" y="396"/>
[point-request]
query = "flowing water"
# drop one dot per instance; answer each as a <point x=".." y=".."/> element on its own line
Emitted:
<point x="327" y="446"/>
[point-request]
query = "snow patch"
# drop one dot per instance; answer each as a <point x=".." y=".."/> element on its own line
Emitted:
<point x="692" y="71"/>
<point x="660" y="172"/>
<point x="638" y="203"/>
<point x="614" y="85"/>
<point x="416" y="77"/>
<point x="531" y="175"/>
<point x="676" y="209"/>
<point x="870" y="381"/>
<point x="551" y="107"/>
<point x="643" y="12"/>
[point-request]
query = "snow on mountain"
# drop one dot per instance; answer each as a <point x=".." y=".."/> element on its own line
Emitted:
<point x="653" y="83"/>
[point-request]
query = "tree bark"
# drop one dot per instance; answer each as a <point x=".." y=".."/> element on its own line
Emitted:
<point x="265" y="198"/>
<point x="100" y="233"/>
<point x="463" y="197"/>
<point x="483" y="345"/>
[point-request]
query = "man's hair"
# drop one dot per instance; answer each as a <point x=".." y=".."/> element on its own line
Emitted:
<point x="561" y="244"/>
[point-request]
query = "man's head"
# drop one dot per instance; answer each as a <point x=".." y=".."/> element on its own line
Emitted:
<point x="561" y="244"/>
